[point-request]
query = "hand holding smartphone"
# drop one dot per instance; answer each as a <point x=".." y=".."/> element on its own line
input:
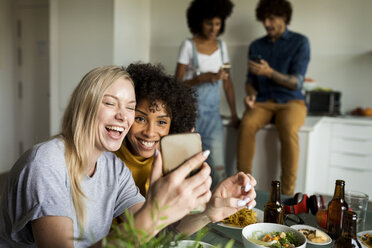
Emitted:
<point x="176" y="149"/>
<point x="256" y="58"/>
<point x="226" y="67"/>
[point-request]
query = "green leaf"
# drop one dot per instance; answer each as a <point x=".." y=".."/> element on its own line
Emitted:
<point x="230" y="244"/>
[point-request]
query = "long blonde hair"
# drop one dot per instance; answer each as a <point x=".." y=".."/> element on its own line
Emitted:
<point x="79" y="126"/>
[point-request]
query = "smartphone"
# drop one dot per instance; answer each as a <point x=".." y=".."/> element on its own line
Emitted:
<point x="176" y="149"/>
<point x="256" y="58"/>
<point x="226" y="67"/>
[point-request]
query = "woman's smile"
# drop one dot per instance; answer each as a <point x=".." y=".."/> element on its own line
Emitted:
<point x="115" y="132"/>
<point x="151" y="122"/>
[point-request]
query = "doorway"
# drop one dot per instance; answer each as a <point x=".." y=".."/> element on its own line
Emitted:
<point x="31" y="22"/>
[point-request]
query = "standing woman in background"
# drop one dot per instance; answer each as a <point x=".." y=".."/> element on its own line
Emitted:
<point x="199" y="65"/>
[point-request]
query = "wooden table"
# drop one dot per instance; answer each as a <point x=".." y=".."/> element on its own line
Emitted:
<point x="221" y="235"/>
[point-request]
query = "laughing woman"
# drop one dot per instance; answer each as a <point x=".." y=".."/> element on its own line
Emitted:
<point x="73" y="186"/>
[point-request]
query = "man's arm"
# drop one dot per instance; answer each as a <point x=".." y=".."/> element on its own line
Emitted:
<point x="296" y="74"/>
<point x="285" y="80"/>
<point x="264" y="69"/>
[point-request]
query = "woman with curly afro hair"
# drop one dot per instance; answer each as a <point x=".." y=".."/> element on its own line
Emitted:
<point x="163" y="106"/>
<point x="199" y="66"/>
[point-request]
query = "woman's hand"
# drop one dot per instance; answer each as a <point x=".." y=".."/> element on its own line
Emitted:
<point x="235" y="121"/>
<point x="231" y="195"/>
<point x="211" y="77"/>
<point x="175" y="194"/>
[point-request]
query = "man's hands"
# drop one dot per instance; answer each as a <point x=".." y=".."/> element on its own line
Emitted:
<point x="260" y="69"/>
<point x="263" y="69"/>
<point x="231" y="195"/>
<point x="249" y="101"/>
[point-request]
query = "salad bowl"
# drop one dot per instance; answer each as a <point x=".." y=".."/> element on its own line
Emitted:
<point x="252" y="235"/>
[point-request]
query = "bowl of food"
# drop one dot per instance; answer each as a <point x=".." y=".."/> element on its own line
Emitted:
<point x="313" y="235"/>
<point x="365" y="238"/>
<point x="272" y="235"/>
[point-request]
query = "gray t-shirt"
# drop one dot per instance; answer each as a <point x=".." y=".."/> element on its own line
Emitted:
<point x="38" y="185"/>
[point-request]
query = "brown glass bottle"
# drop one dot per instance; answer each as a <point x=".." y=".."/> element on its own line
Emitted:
<point x="274" y="210"/>
<point x="336" y="209"/>
<point x="348" y="237"/>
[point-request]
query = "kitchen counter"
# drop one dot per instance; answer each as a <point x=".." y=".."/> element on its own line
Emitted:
<point x="330" y="148"/>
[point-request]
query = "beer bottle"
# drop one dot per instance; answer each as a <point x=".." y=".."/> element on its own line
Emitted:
<point x="274" y="210"/>
<point x="336" y="209"/>
<point x="348" y="237"/>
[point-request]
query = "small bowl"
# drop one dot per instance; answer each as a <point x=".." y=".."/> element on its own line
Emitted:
<point x="266" y="228"/>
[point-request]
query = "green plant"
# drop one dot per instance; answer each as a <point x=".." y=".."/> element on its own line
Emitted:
<point x="133" y="237"/>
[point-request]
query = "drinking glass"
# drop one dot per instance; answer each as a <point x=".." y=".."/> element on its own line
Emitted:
<point x="358" y="202"/>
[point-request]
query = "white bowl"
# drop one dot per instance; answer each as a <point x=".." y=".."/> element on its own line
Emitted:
<point x="266" y="228"/>
<point x="192" y="244"/>
<point x="326" y="238"/>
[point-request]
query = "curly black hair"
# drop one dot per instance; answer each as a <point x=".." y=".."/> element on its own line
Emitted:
<point x="153" y="84"/>
<point x="281" y="8"/>
<point x="200" y="10"/>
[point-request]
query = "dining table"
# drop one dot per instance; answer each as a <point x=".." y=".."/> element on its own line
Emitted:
<point x="220" y="235"/>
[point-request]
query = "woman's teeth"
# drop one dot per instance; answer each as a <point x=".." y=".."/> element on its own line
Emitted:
<point x="115" y="128"/>
<point x="148" y="144"/>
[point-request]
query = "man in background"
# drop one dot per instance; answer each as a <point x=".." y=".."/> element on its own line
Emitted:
<point x="277" y="64"/>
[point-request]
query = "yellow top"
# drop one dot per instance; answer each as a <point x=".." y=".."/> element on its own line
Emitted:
<point x="140" y="167"/>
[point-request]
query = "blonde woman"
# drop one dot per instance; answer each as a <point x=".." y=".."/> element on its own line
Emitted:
<point x="70" y="186"/>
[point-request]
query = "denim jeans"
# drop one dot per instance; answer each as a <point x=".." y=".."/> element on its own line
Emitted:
<point x="209" y="126"/>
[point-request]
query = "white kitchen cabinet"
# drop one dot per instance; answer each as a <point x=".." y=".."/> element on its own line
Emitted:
<point x="330" y="148"/>
<point x="340" y="148"/>
<point x="266" y="163"/>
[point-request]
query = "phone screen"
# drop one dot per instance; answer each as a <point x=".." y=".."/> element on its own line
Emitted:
<point x="177" y="148"/>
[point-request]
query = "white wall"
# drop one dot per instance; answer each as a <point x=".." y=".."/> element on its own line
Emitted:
<point x="89" y="33"/>
<point x="81" y="39"/>
<point x="131" y="31"/>
<point x="8" y="142"/>
<point x="339" y="33"/>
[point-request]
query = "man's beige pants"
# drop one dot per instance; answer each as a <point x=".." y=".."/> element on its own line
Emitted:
<point x="288" y="119"/>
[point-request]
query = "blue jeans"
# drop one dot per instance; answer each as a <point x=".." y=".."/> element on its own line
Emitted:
<point x="209" y="126"/>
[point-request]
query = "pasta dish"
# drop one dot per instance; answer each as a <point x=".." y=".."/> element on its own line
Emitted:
<point x="242" y="218"/>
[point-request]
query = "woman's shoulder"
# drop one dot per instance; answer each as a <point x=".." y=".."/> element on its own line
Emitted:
<point x="49" y="151"/>
<point x="47" y="157"/>
<point x="222" y="44"/>
<point x="187" y="43"/>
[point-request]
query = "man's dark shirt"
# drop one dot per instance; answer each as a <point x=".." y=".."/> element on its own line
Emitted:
<point x="290" y="54"/>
